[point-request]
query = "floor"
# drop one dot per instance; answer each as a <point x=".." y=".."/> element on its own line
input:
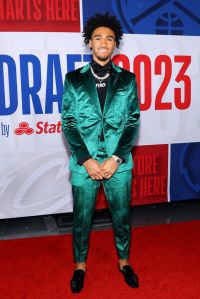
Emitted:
<point x="46" y="225"/>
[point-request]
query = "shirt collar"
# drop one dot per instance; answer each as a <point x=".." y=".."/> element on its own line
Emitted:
<point x="97" y="68"/>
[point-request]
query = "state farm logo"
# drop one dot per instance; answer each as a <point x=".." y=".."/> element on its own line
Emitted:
<point x="42" y="127"/>
<point x="23" y="129"/>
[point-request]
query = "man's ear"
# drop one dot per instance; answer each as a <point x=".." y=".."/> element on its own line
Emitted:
<point x="90" y="44"/>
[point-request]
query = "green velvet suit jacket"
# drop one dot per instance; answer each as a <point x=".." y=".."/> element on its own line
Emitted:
<point x="83" y="120"/>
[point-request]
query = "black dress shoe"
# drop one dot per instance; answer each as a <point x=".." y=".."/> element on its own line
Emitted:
<point x="130" y="276"/>
<point x="77" y="281"/>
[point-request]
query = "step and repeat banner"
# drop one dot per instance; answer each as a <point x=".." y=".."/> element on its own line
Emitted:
<point x="40" y="41"/>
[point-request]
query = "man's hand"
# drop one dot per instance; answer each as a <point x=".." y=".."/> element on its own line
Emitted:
<point x="108" y="167"/>
<point x="93" y="169"/>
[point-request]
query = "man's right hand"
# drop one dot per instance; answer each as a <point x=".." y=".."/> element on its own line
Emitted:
<point x="93" y="169"/>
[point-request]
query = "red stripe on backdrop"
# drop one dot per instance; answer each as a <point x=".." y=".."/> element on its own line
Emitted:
<point x="41" y="16"/>
<point x="150" y="176"/>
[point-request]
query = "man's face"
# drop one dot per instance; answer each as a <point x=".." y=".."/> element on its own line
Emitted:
<point x="102" y="44"/>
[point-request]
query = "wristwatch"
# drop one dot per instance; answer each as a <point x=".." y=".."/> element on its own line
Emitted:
<point x="117" y="159"/>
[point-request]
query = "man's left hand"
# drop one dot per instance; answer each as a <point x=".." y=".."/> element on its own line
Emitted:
<point x="108" y="167"/>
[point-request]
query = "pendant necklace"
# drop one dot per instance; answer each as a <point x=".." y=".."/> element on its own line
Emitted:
<point x="100" y="84"/>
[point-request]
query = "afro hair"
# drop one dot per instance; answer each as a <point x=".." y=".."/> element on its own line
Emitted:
<point x="106" y="20"/>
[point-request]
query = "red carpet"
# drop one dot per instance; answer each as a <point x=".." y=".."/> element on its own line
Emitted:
<point x="166" y="258"/>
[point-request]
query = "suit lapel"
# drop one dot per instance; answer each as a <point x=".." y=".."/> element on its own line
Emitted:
<point x="112" y="87"/>
<point x="88" y="81"/>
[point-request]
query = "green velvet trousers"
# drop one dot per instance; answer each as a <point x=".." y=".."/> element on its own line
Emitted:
<point x="118" y="193"/>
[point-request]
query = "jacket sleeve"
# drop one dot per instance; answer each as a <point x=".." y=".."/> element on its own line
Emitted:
<point x="131" y="126"/>
<point x="70" y="125"/>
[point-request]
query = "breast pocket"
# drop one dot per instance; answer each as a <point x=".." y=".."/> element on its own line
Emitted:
<point x="120" y="93"/>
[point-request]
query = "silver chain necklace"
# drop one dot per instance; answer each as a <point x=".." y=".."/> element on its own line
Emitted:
<point x="100" y="84"/>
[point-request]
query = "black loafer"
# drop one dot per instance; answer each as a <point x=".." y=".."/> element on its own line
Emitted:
<point x="130" y="276"/>
<point x="77" y="281"/>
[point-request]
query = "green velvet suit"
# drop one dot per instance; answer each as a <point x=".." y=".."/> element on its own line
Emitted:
<point x="83" y="122"/>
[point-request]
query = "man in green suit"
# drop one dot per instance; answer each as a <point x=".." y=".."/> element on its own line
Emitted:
<point x="100" y="120"/>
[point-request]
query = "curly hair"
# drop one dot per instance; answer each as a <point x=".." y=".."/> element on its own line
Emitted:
<point x="106" y="20"/>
